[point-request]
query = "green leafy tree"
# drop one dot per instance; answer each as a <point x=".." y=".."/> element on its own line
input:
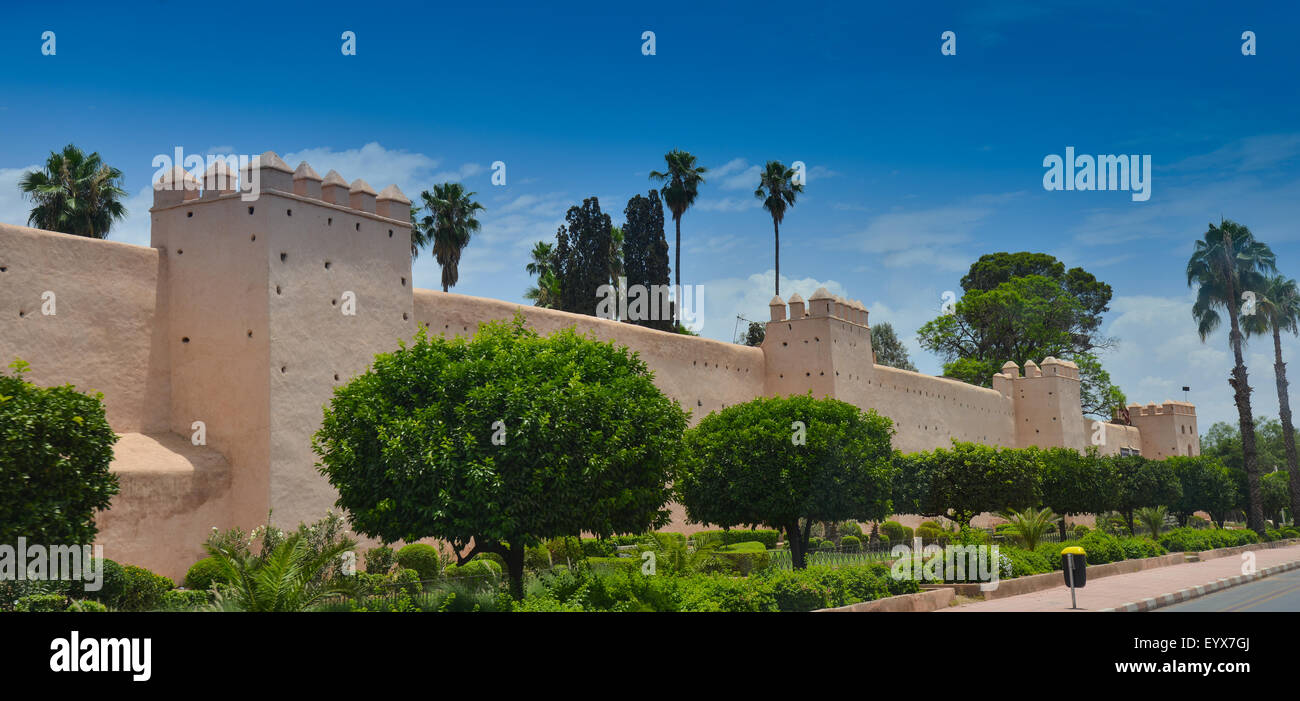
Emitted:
<point x="1207" y="485"/>
<point x="1277" y="309"/>
<point x="1226" y="263"/>
<point x="682" y="181"/>
<point x="778" y="188"/>
<point x="755" y="334"/>
<point x="542" y="265"/>
<point x="785" y="463"/>
<point x="1276" y="496"/>
<point x="449" y="225"/>
<point x="1076" y="483"/>
<point x="55" y="450"/>
<point x="75" y="194"/>
<point x="645" y="252"/>
<point x="1026" y="306"/>
<point x="969" y="479"/>
<point x="582" y="257"/>
<point x="888" y="348"/>
<point x="1142" y="483"/>
<point x="497" y="443"/>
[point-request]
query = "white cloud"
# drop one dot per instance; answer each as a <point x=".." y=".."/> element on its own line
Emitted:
<point x="13" y="207"/>
<point x="466" y="171"/>
<point x="412" y="172"/>
<point x="728" y="204"/>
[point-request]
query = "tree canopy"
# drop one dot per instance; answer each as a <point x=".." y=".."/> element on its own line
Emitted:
<point x="502" y="441"/>
<point x="55" y="450"/>
<point x="888" y="348"/>
<point x="1021" y="307"/>
<point x="786" y="461"/>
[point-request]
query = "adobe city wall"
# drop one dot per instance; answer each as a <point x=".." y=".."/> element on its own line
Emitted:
<point x="217" y="347"/>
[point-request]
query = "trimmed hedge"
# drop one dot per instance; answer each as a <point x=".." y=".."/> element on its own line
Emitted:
<point x="380" y="560"/>
<point x="144" y="589"/>
<point x="768" y="538"/>
<point x="34" y="603"/>
<point x="1198" y="539"/>
<point x="851" y="544"/>
<point x="184" y="600"/>
<point x="482" y="569"/>
<point x="897" y="532"/>
<point x="110" y="590"/>
<point x="203" y="574"/>
<point x="421" y="558"/>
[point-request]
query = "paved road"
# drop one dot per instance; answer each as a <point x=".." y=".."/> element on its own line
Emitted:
<point x="1281" y="592"/>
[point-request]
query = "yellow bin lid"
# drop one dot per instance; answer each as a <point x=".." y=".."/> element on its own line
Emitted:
<point x="1073" y="550"/>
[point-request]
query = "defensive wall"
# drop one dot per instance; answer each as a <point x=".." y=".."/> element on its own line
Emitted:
<point x="217" y="347"/>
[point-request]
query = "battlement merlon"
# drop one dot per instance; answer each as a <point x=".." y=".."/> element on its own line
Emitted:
<point x="179" y="186"/>
<point x="821" y="304"/>
<point x="1168" y="407"/>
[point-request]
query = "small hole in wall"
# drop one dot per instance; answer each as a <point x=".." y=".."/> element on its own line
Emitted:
<point x="336" y="377"/>
<point x="327" y="265"/>
<point x="390" y="233"/>
<point x="699" y="403"/>
<point x="288" y="212"/>
<point x="250" y="333"/>
<point x="284" y="369"/>
<point x="405" y="316"/>
<point x="333" y="302"/>
<point x="250" y="210"/>
<point x="358" y="226"/>
<point x="4" y="269"/>
<point x="189" y="214"/>
<point x="180" y="251"/>
<point x="253" y="237"/>
<point x="185" y="339"/>
<point x="403" y="282"/>
<point x="21" y="313"/>
<point x="329" y="222"/>
<point x="277" y="289"/>
<point x="283" y="256"/>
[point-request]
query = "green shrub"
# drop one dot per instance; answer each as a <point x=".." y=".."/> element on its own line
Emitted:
<point x="1101" y="548"/>
<point x="1198" y="539"/>
<point x="595" y="547"/>
<point x="932" y="533"/>
<point x="380" y="560"/>
<point x="749" y="557"/>
<point x="41" y="603"/>
<point x="1017" y="562"/>
<point x="1080" y="530"/>
<point x="565" y="550"/>
<point x="184" y="600"/>
<point x="203" y="574"/>
<point x="143" y="590"/>
<point x="110" y="589"/>
<point x="494" y="557"/>
<point x="537" y="558"/>
<point x="1290" y="532"/>
<point x="87" y="606"/>
<point x="851" y="528"/>
<point x="482" y="570"/>
<point x="1138" y="548"/>
<point x="851" y="544"/>
<point x="422" y="558"/>
<point x="406" y="580"/>
<point x="897" y="532"/>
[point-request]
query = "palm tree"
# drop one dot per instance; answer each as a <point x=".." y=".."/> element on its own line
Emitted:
<point x="1277" y="309"/>
<point x="451" y="222"/>
<point x="1227" y="262"/>
<point x="1153" y="517"/>
<point x="547" y="292"/>
<point x="778" y="190"/>
<point x="1028" y="527"/>
<point x="75" y="194"/>
<point x="286" y="579"/>
<point x="683" y="180"/>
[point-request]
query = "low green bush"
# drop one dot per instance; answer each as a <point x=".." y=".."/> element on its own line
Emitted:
<point x="184" y="600"/>
<point x="380" y="560"/>
<point x="110" y="588"/>
<point x="87" y="606"/>
<point x="897" y="532"/>
<point x="494" y="557"/>
<point x="203" y="574"/>
<point x="44" y="603"/>
<point x="477" y="569"/>
<point x="143" y="590"/>
<point x="851" y="544"/>
<point x="595" y="547"/>
<point x="1198" y="539"/>
<point x="565" y="550"/>
<point x="537" y="558"/>
<point x="768" y="538"/>
<point x="420" y="557"/>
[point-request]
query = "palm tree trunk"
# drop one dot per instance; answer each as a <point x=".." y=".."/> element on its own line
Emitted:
<point x="1284" y="413"/>
<point x="777" y="231"/>
<point x="1241" y="394"/>
<point x="677" y="269"/>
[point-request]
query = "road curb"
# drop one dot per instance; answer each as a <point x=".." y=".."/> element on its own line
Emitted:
<point x="1195" y="592"/>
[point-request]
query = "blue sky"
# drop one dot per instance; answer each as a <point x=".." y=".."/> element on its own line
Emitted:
<point x="918" y="162"/>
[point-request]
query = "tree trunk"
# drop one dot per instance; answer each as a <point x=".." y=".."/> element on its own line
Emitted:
<point x="514" y="557"/>
<point x="1063" y="531"/>
<point x="1284" y="413"/>
<point x="1128" y="514"/>
<point x="777" y="231"/>
<point x="677" y="269"/>
<point x="1241" y="395"/>
<point x="797" y="544"/>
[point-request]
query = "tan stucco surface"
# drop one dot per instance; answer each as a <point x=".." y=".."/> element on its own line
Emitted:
<point x="234" y="317"/>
